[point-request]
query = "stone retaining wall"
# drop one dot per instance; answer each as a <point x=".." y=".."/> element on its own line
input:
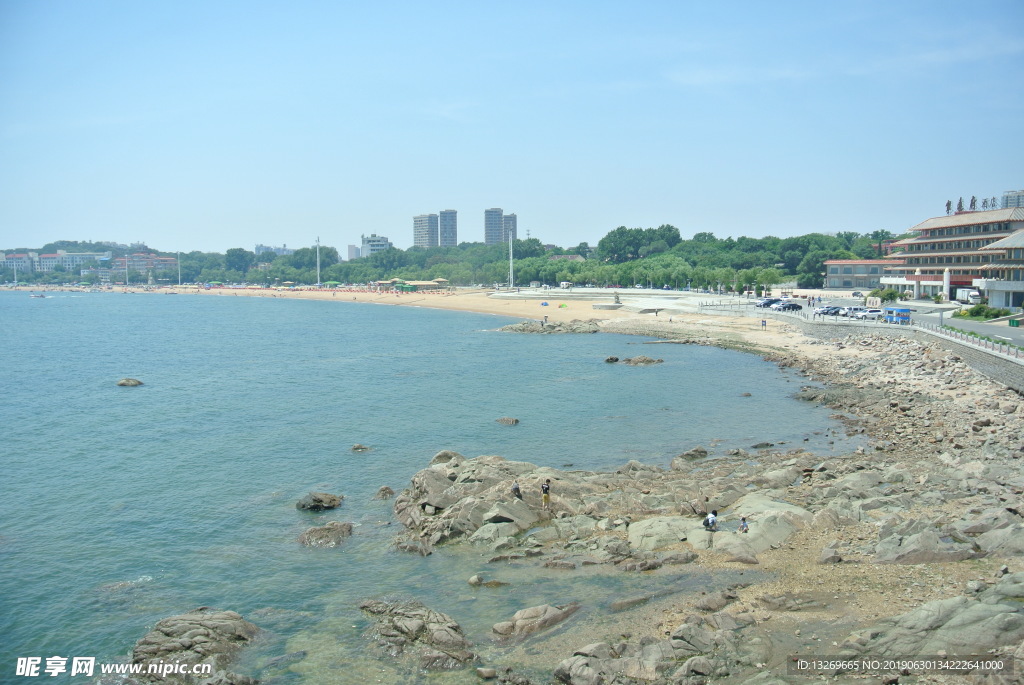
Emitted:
<point x="1008" y="371"/>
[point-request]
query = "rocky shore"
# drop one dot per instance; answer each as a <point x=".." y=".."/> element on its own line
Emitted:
<point x="906" y="547"/>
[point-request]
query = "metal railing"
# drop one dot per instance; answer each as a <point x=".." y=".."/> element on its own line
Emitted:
<point x="1006" y="349"/>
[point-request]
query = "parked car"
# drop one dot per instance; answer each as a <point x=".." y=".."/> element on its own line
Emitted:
<point x="787" y="307"/>
<point x="850" y="311"/>
<point x="831" y="310"/>
<point x="767" y="302"/>
<point x="857" y="293"/>
<point x="868" y="314"/>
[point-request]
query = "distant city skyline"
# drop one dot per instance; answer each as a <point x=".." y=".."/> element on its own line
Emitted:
<point x="210" y="126"/>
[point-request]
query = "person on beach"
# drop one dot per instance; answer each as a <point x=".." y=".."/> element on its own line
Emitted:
<point x="516" y="491"/>
<point x="744" y="528"/>
<point x="711" y="522"/>
<point x="545" y="494"/>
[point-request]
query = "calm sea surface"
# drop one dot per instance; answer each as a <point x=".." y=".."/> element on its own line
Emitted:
<point x="122" y="506"/>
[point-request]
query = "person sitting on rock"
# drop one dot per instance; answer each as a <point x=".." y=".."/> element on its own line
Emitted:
<point x="744" y="528"/>
<point x="516" y="491"/>
<point x="711" y="521"/>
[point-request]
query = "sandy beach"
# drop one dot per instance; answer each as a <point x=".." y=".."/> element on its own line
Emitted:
<point x="739" y="331"/>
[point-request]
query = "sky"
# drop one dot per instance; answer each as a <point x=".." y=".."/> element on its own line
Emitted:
<point x="207" y="125"/>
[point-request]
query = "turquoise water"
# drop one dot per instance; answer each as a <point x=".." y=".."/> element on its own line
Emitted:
<point x="125" y="505"/>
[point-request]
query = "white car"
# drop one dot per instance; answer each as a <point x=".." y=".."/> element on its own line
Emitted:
<point x="868" y="314"/>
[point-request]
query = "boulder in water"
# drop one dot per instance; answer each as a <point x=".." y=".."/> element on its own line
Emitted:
<point x="201" y="636"/>
<point x="330" y="535"/>
<point x="129" y="382"/>
<point x="318" y="501"/>
<point x="508" y="421"/>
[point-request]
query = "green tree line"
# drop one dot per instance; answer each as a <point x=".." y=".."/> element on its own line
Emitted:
<point x="625" y="257"/>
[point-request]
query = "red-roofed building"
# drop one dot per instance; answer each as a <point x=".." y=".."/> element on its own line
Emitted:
<point x="948" y="254"/>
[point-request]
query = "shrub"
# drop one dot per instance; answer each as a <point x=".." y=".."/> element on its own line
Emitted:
<point x="983" y="311"/>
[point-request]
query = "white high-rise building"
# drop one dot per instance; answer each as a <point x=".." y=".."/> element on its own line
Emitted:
<point x="449" y="228"/>
<point x="425" y="230"/>
<point x="373" y="243"/>
<point x="1013" y="198"/>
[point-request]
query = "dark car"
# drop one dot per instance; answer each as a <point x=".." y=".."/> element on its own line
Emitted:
<point x="768" y="302"/>
<point x="830" y="311"/>
<point x="788" y="307"/>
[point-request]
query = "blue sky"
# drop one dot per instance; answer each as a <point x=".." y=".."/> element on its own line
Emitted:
<point x="211" y="125"/>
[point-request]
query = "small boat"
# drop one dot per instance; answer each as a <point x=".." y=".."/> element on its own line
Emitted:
<point x="34" y="295"/>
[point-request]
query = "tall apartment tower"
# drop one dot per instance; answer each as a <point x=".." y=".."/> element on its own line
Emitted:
<point x="449" y="228"/>
<point x="1013" y="198"/>
<point x="508" y="226"/>
<point x="494" y="226"/>
<point x="424" y="230"/>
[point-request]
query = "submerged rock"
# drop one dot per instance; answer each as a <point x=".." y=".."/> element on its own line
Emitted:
<point x="330" y="535"/>
<point x="534" y="619"/>
<point x="507" y="421"/>
<point x="641" y="360"/>
<point x="436" y="638"/>
<point x="318" y="501"/>
<point x="384" y="493"/>
<point x="201" y="636"/>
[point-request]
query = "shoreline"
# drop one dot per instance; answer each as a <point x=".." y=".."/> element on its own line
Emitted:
<point x="741" y="333"/>
<point x="942" y="458"/>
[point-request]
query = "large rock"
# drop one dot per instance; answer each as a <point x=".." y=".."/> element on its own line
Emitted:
<point x="129" y="382"/>
<point x="330" y="535"/>
<point x="514" y="511"/>
<point x="201" y="636"/>
<point x="1007" y="542"/>
<point x="534" y="619"/>
<point x="318" y="501"/>
<point x="660" y="531"/>
<point x="925" y="547"/>
<point x="954" y="626"/>
<point x="435" y="638"/>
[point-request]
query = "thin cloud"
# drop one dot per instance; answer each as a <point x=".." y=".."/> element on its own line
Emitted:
<point x="706" y="77"/>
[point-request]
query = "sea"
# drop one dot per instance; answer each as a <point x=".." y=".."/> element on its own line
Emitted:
<point x="122" y="506"/>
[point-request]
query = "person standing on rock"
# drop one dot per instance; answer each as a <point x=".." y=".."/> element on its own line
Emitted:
<point x="545" y="494"/>
<point x="516" y="491"/>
